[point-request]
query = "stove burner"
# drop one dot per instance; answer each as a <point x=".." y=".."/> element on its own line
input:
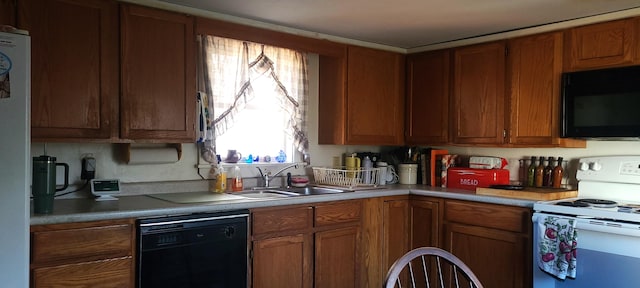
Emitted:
<point x="598" y="203"/>
<point x="573" y="204"/>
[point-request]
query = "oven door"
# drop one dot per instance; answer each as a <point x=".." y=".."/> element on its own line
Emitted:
<point x="608" y="255"/>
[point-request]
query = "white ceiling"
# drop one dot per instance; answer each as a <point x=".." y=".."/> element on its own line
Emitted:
<point x="409" y="24"/>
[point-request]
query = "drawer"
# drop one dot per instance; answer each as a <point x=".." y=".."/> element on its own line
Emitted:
<point x="338" y="212"/>
<point x="277" y="220"/>
<point x="509" y="218"/>
<point x="79" y="244"/>
<point x="104" y="273"/>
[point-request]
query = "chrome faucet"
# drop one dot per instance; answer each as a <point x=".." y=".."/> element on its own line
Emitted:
<point x="266" y="175"/>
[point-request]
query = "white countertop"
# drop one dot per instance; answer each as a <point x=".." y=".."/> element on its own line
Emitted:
<point x="141" y="206"/>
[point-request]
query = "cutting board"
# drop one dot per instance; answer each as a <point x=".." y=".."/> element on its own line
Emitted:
<point x="195" y="197"/>
<point x="530" y="193"/>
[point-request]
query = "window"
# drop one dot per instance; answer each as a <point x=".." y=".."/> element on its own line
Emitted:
<point x="256" y="100"/>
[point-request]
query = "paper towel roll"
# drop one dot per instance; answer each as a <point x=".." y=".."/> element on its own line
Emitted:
<point x="152" y="155"/>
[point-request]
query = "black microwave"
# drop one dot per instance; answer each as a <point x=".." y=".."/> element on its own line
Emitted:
<point x="602" y="103"/>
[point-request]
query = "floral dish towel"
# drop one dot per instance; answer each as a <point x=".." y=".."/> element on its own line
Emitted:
<point x="557" y="242"/>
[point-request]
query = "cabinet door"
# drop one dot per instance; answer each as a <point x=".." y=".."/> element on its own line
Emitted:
<point x="283" y="262"/>
<point x="158" y="75"/>
<point x="375" y="91"/>
<point x="425" y="224"/>
<point x="427" y="98"/>
<point x="336" y="258"/>
<point x="8" y="12"/>
<point x="74" y="60"/>
<point x="611" y="43"/>
<point x="395" y="231"/>
<point x="478" y="86"/>
<point x="498" y="258"/>
<point x="535" y="64"/>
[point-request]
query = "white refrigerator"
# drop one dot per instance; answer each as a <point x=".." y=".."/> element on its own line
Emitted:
<point x="15" y="164"/>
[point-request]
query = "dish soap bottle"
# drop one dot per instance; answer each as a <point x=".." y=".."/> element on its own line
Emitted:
<point x="221" y="180"/>
<point x="236" y="185"/>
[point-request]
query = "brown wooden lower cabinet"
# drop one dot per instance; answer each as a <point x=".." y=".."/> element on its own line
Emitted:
<point x="396" y="231"/>
<point x="283" y="262"/>
<point x="320" y="249"/>
<point x="425" y="222"/>
<point x="336" y="257"/>
<point x="104" y="273"/>
<point x="87" y="254"/>
<point x="493" y="240"/>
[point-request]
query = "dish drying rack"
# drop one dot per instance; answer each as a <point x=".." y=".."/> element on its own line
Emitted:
<point x="347" y="178"/>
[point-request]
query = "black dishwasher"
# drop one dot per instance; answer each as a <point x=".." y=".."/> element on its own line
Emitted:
<point x="193" y="251"/>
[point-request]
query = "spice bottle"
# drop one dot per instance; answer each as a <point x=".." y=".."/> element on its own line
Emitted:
<point x="539" y="172"/>
<point x="236" y="185"/>
<point x="547" y="180"/>
<point x="558" y="174"/>
<point x="531" y="172"/>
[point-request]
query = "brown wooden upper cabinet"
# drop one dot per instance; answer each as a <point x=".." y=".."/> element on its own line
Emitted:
<point x="613" y="43"/>
<point x="375" y="97"/>
<point x="509" y="99"/>
<point x="534" y="68"/>
<point x="427" y="100"/>
<point x="158" y="75"/>
<point x="362" y="102"/>
<point x="478" y="94"/>
<point x="76" y="67"/>
<point x="8" y="12"/>
<point x="74" y="60"/>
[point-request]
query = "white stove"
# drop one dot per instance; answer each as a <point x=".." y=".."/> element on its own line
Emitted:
<point x="606" y="214"/>
<point x="608" y="188"/>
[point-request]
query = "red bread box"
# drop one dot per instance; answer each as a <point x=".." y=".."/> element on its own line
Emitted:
<point x="470" y="178"/>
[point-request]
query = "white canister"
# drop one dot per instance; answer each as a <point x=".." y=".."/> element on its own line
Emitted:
<point x="408" y="173"/>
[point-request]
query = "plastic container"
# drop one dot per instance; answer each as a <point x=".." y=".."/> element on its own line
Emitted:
<point x="383" y="172"/>
<point x="237" y="185"/>
<point x="408" y="173"/>
<point x="367" y="165"/>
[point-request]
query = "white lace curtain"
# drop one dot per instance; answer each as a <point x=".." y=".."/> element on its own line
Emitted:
<point x="226" y="70"/>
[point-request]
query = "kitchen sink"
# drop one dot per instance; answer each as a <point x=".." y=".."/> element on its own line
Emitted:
<point x="288" y="192"/>
<point x="314" y="190"/>
<point x="267" y="193"/>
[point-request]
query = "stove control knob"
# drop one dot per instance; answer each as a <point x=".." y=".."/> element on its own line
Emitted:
<point x="584" y="166"/>
<point x="595" y="166"/>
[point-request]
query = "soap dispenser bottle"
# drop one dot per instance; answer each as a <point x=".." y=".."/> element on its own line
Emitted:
<point x="236" y="185"/>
